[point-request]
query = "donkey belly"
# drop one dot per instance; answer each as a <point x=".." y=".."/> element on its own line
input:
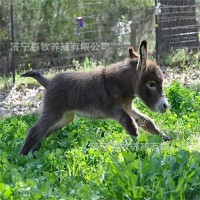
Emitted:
<point x="91" y="113"/>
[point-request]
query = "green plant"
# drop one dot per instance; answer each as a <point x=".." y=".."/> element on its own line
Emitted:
<point x="98" y="160"/>
<point x="184" y="59"/>
<point x="87" y="64"/>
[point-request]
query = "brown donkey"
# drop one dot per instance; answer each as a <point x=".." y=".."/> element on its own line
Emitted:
<point x="101" y="93"/>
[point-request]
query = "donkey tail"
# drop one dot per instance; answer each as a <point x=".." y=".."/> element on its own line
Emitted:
<point x="36" y="75"/>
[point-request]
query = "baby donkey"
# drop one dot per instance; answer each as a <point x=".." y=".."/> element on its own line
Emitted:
<point x="101" y="93"/>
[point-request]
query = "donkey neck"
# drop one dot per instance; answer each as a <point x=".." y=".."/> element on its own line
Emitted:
<point x="121" y="80"/>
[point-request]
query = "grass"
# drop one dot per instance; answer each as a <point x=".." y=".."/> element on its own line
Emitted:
<point x="98" y="160"/>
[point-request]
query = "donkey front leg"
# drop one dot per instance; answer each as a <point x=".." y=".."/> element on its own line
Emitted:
<point x="146" y="123"/>
<point x="122" y="117"/>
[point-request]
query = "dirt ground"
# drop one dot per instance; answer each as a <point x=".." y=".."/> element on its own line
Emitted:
<point x="26" y="99"/>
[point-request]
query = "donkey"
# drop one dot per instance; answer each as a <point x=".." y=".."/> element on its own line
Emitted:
<point x="101" y="93"/>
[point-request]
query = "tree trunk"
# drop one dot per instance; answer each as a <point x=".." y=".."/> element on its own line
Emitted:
<point x="133" y="34"/>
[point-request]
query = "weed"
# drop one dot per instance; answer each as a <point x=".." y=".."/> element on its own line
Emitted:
<point x="98" y="160"/>
<point x="183" y="59"/>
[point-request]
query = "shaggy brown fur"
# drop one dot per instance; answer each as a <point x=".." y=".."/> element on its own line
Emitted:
<point x="101" y="93"/>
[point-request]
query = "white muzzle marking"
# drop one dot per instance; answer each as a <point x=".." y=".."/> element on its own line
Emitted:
<point x="162" y="105"/>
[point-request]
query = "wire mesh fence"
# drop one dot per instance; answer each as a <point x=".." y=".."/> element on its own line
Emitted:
<point x="51" y="34"/>
<point x="178" y="25"/>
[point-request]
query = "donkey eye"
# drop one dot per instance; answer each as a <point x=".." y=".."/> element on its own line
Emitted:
<point x="151" y="84"/>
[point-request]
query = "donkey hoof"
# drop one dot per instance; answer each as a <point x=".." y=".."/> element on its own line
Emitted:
<point x="166" y="138"/>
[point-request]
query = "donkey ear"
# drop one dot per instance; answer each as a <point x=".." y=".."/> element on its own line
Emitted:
<point x="143" y="52"/>
<point x="132" y="53"/>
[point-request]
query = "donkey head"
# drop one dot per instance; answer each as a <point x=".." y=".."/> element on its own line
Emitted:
<point x="150" y="89"/>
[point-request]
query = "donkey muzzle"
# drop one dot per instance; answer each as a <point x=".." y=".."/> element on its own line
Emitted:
<point x="162" y="105"/>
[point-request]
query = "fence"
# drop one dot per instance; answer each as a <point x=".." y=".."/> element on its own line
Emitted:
<point x="178" y="25"/>
<point x="51" y="34"/>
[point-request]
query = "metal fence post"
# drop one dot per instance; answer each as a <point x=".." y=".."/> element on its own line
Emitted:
<point x="12" y="41"/>
<point x="156" y="30"/>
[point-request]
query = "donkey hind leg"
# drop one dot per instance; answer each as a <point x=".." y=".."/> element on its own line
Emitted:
<point x="37" y="132"/>
<point x="44" y="127"/>
<point x="126" y="121"/>
<point x="66" y="119"/>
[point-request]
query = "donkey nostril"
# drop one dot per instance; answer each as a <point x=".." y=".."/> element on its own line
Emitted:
<point x="164" y="106"/>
